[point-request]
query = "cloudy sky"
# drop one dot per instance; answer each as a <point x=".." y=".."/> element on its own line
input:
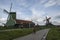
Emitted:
<point x="35" y="10"/>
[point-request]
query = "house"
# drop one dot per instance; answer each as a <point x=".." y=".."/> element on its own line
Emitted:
<point x="24" y="24"/>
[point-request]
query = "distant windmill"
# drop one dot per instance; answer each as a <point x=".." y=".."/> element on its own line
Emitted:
<point x="47" y="20"/>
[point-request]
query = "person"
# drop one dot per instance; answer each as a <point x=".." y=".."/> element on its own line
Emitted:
<point x="34" y="29"/>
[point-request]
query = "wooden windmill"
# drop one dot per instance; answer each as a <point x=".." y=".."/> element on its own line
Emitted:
<point x="11" y="17"/>
<point x="47" y="20"/>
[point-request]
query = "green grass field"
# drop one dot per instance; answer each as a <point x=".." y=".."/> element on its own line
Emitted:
<point x="9" y="35"/>
<point x="54" y="34"/>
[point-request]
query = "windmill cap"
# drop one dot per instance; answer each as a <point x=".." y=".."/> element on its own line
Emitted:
<point x="12" y="12"/>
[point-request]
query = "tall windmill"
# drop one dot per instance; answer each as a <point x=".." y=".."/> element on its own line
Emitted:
<point x="47" y="20"/>
<point x="11" y="17"/>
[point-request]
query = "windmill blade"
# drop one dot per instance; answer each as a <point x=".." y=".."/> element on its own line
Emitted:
<point x="5" y="11"/>
<point x="11" y="7"/>
<point x="49" y="18"/>
<point x="45" y="19"/>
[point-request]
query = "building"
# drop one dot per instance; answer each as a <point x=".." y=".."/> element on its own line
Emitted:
<point x="24" y="24"/>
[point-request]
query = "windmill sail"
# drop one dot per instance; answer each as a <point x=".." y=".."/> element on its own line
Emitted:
<point x="5" y="11"/>
<point x="10" y="7"/>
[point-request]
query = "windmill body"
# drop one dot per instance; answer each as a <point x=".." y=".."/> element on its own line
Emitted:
<point x="11" y="19"/>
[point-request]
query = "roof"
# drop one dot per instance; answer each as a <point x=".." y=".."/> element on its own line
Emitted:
<point x="23" y="21"/>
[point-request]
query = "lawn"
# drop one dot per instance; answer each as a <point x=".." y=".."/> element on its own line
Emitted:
<point x="9" y="35"/>
<point x="54" y="34"/>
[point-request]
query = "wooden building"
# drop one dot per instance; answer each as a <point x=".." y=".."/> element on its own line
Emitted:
<point x="24" y="24"/>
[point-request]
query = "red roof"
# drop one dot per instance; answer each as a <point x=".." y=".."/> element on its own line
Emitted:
<point x="22" y="21"/>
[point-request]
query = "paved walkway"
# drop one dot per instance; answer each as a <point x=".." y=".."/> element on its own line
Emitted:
<point x="40" y="35"/>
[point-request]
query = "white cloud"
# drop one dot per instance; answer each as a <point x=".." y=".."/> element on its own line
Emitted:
<point x="22" y="3"/>
<point x="56" y="22"/>
<point x="58" y="2"/>
<point x="37" y="15"/>
<point x="50" y="3"/>
<point x="42" y="1"/>
<point x="3" y="6"/>
<point x="3" y="20"/>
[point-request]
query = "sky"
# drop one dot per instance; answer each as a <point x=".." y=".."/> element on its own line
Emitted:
<point x="35" y="10"/>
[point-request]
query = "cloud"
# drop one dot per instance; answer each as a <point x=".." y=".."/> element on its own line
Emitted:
<point x="58" y="2"/>
<point x="56" y="22"/>
<point x="22" y="2"/>
<point x="3" y="20"/>
<point x="37" y="16"/>
<point x="25" y="3"/>
<point x="37" y="13"/>
<point x="5" y="6"/>
<point x="57" y="17"/>
<point x="43" y="1"/>
<point x="33" y="9"/>
<point x="50" y="3"/>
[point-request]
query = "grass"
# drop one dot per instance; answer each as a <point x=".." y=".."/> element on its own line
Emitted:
<point x="54" y="34"/>
<point x="9" y="35"/>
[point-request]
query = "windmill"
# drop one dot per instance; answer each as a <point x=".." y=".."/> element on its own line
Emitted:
<point x="47" y="20"/>
<point x="11" y="17"/>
